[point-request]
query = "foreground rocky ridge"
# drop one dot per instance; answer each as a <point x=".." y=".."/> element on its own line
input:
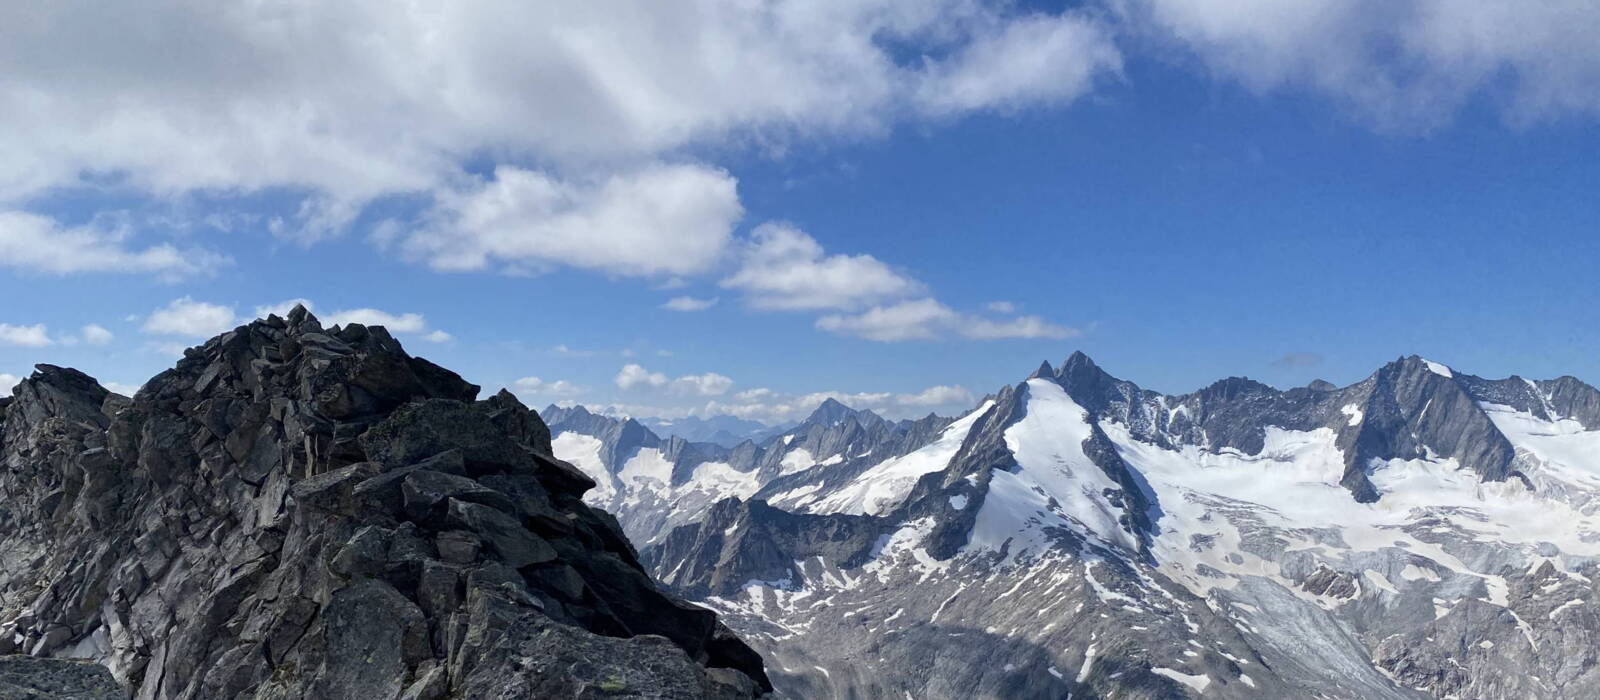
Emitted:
<point x="1421" y="533"/>
<point x="299" y="512"/>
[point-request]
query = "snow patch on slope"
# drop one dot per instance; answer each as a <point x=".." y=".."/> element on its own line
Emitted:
<point x="881" y="488"/>
<point x="583" y="452"/>
<point x="1055" y="485"/>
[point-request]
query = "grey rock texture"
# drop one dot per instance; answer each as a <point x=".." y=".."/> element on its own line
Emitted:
<point x="29" y="678"/>
<point x="301" y="512"/>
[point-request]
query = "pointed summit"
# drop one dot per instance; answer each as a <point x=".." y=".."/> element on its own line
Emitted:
<point x="1082" y="374"/>
<point x="1078" y="360"/>
<point x="1045" y="371"/>
<point x="830" y="412"/>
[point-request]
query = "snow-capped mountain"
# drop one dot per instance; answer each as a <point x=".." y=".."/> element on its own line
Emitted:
<point x="653" y="484"/>
<point x="1421" y="533"/>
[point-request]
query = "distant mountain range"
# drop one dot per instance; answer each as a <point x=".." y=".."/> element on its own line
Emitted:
<point x="724" y="430"/>
<point x="1420" y="533"/>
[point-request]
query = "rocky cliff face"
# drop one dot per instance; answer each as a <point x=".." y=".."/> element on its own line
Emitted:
<point x="300" y="512"/>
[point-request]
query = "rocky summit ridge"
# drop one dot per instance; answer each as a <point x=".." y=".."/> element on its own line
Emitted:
<point x="304" y="512"/>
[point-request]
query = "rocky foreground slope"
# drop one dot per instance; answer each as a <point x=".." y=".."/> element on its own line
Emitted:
<point x="1422" y="533"/>
<point x="300" y="512"/>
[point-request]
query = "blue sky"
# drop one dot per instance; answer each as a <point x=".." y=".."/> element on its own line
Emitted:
<point x="1185" y="193"/>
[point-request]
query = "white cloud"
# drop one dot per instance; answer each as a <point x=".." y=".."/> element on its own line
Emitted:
<point x="655" y="221"/>
<point x="34" y="243"/>
<point x="396" y="323"/>
<point x="1034" y="60"/>
<point x="187" y="317"/>
<point x="34" y="336"/>
<point x="708" y="384"/>
<point x="923" y="319"/>
<point x="937" y="396"/>
<point x="95" y="334"/>
<point x="1019" y="327"/>
<point x="409" y="323"/>
<point x="1001" y="307"/>
<point x="534" y="386"/>
<point x="927" y="319"/>
<point x="1400" y="64"/>
<point x="687" y="303"/>
<point x="784" y="268"/>
<point x="633" y="375"/>
<point x="7" y="383"/>
<point x="359" y="99"/>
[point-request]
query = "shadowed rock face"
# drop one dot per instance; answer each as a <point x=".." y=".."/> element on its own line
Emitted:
<point x="300" y="512"/>
<point x="29" y="678"/>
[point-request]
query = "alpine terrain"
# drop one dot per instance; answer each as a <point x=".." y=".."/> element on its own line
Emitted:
<point x="1423" y="533"/>
<point x="304" y="512"/>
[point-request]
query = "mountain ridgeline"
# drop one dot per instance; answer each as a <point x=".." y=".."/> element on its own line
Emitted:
<point x="304" y="512"/>
<point x="1420" y="533"/>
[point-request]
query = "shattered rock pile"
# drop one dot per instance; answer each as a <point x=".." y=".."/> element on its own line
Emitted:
<point x="300" y="512"/>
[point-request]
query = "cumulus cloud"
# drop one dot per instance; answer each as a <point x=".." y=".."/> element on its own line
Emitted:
<point x="1403" y="64"/>
<point x="784" y="268"/>
<point x="396" y="323"/>
<point x="34" y="336"/>
<point x="922" y="319"/>
<point x="339" y="105"/>
<point x="928" y="319"/>
<point x="7" y="383"/>
<point x="95" y="334"/>
<point x="656" y="221"/>
<point x="1040" y="59"/>
<point x="708" y="384"/>
<point x="190" y="318"/>
<point x="1019" y="327"/>
<point x="34" y="243"/>
<point x="634" y="376"/>
<point x="534" y="386"/>
<point x="687" y="303"/>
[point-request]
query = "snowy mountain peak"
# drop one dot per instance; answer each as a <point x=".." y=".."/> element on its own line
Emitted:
<point x="1095" y="538"/>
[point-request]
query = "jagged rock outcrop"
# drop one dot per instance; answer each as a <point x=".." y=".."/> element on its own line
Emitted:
<point x="30" y="678"/>
<point x="300" y="512"/>
<point x="739" y="542"/>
